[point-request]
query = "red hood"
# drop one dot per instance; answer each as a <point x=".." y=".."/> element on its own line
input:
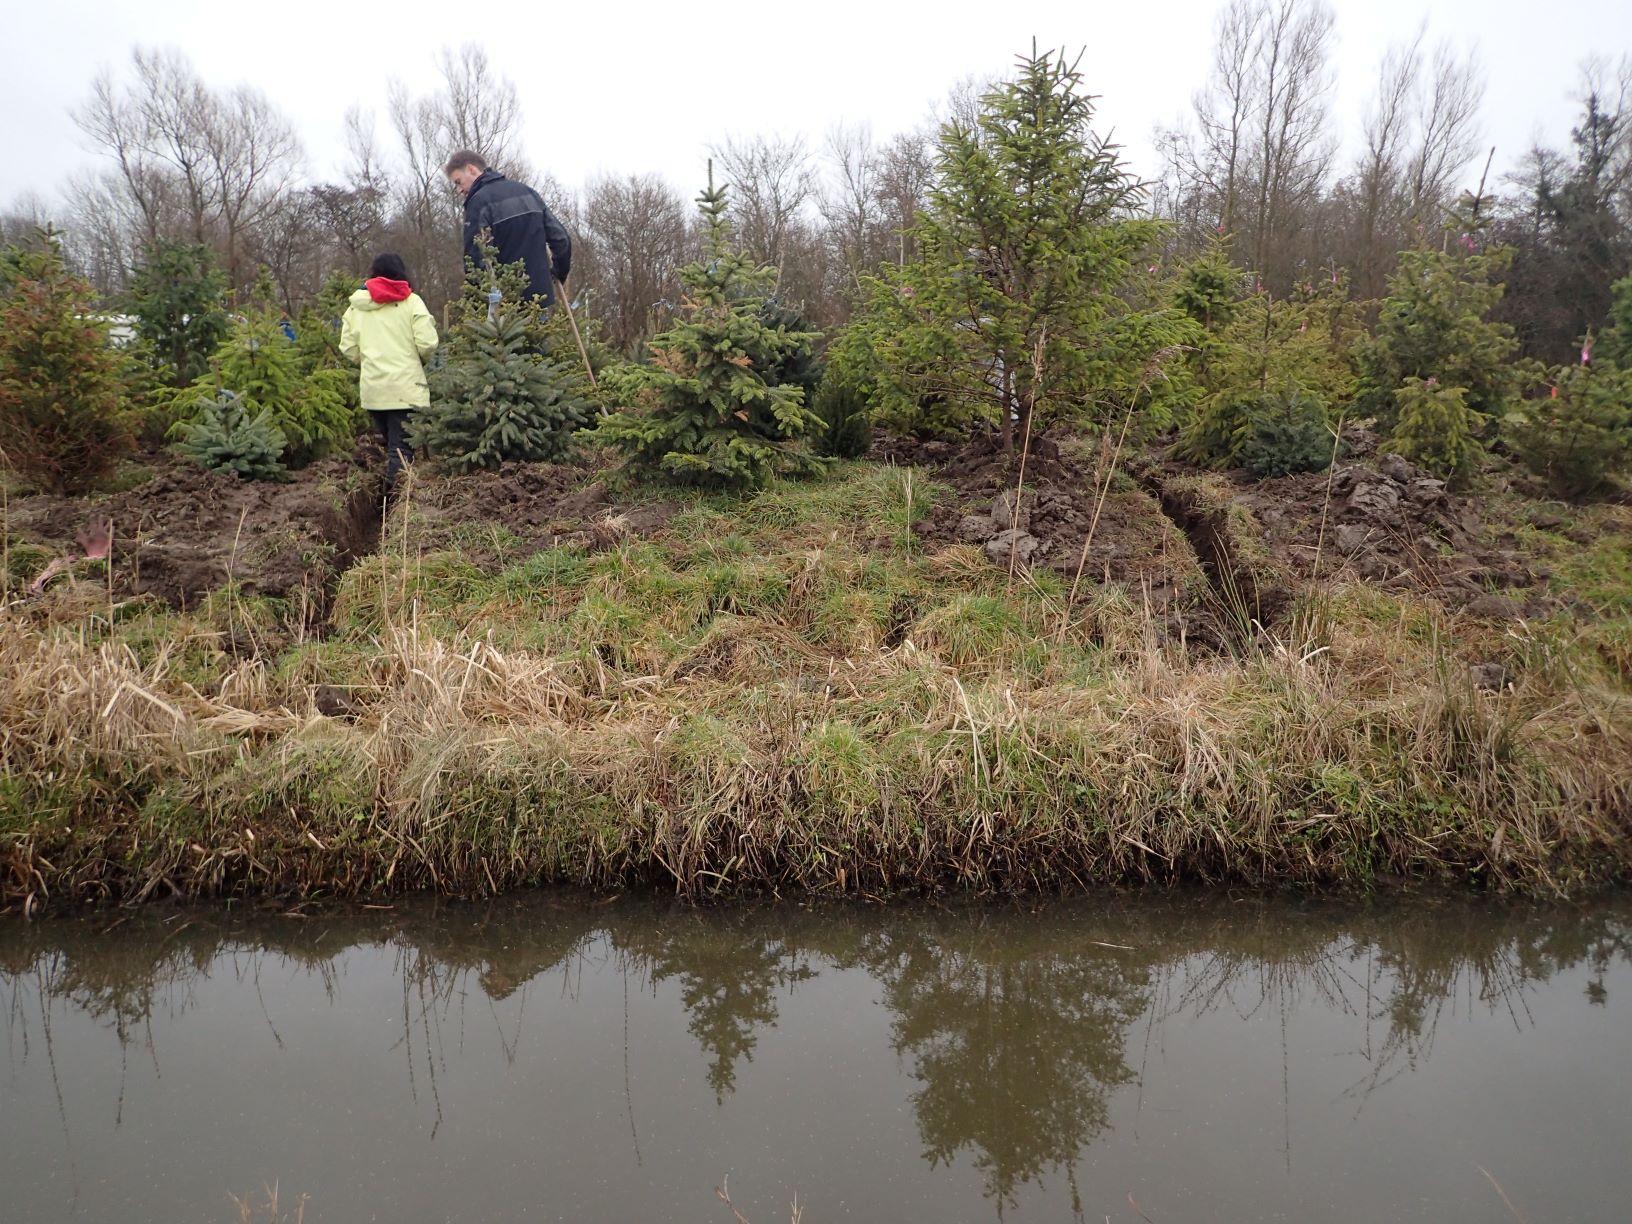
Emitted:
<point x="382" y="289"/>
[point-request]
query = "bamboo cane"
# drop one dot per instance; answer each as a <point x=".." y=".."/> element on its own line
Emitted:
<point x="561" y="295"/>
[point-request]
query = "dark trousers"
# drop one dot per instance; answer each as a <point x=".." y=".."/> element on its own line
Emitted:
<point x="393" y="426"/>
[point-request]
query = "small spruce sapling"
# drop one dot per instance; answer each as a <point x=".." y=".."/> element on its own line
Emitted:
<point x="1433" y="326"/>
<point x="495" y="396"/>
<point x="1579" y="436"/>
<point x="1437" y="429"/>
<point x="227" y="437"/>
<point x="178" y="296"/>
<point x="710" y="416"/>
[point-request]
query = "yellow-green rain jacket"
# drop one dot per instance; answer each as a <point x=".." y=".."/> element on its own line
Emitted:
<point x="391" y="341"/>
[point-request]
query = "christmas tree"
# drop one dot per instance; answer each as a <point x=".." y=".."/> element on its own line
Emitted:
<point x="61" y="420"/>
<point x="258" y="362"/>
<point x="226" y="437"/>
<point x="1436" y="427"/>
<point x="495" y="396"/>
<point x="178" y="297"/>
<point x="1022" y="298"/>
<point x="1579" y="435"/>
<point x="710" y="414"/>
<point x="1432" y="326"/>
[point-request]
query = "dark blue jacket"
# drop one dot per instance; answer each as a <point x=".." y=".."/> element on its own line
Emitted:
<point x="523" y="230"/>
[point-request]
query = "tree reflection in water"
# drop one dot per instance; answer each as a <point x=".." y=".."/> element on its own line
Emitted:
<point x="1015" y="1028"/>
<point x="730" y="969"/>
<point x="1016" y="1036"/>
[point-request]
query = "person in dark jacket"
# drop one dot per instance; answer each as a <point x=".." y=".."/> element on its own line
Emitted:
<point x="523" y="228"/>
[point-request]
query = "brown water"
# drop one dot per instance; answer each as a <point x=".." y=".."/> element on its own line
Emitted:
<point x="1165" y="1059"/>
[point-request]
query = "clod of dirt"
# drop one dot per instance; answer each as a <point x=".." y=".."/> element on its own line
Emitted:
<point x="1382" y="519"/>
<point x="1011" y="509"/>
<point x="1493" y="607"/>
<point x="335" y="702"/>
<point x="1010" y="545"/>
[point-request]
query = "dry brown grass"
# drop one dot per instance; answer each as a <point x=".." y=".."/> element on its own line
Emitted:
<point x="1346" y="751"/>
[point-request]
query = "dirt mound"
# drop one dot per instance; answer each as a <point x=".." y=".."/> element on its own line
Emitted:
<point x="537" y="506"/>
<point x="186" y="531"/>
<point x="1392" y="524"/>
<point x="1127" y="538"/>
<point x="978" y="465"/>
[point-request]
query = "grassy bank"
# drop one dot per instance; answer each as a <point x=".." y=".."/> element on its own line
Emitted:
<point x="793" y="693"/>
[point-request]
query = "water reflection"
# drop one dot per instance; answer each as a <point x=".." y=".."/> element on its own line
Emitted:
<point x="1024" y="1038"/>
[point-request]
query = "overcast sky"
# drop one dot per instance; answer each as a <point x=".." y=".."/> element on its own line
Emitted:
<point x="610" y="87"/>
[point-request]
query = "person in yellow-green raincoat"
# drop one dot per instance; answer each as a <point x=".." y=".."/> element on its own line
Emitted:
<point x="388" y="331"/>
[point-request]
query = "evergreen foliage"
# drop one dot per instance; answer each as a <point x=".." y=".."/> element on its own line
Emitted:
<point x="1018" y="300"/>
<point x="1288" y="432"/>
<point x="791" y="359"/>
<point x="1580" y="436"/>
<point x="317" y="341"/>
<point x="228" y="437"/>
<point x="1573" y="228"/>
<point x="1436" y="428"/>
<point x="842" y="406"/>
<point x="62" y="424"/>
<point x="312" y="411"/>
<point x="1209" y="287"/>
<point x="178" y="297"/>
<point x="709" y="415"/>
<point x="1270" y="376"/>
<point x="1615" y="344"/>
<point x="1433" y="327"/>
<point x="494" y="396"/>
<point x="610" y="390"/>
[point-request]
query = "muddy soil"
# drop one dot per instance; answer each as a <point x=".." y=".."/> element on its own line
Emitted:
<point x="1373" y="518"/>
<point x="185" y="531"/>
<point x="537" y="506"/>
<point x="1128" y="539"/>
<point x="1392" y="524"/>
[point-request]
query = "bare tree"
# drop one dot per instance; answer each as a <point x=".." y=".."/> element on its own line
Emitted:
<point x="1295" y="152"/>
<point x="906" y="172"/>
<point x="851" y="207"/>
<point x="1447" y="133"/>
<point x="1420" y="135"/>
<point x="188" y="162"/>
<point x="479" y="110"/>
<point x="1257" y="165"/>
<point x="634" y="232"/>
<point x="175" y="111"/>
<point x="771" y="182"/>
<point x="105" y="229"/>
<point x="253" y="156"/>
<point x="21" y="218"/>
<point x="1225" y="115"/>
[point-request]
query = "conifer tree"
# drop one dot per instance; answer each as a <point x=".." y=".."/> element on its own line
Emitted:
<point x="1018" y="300"/>
<point x="1436" y="427"/>
<point x="1270" y="375"/>
<point x="1433" y="326"/>
<point x="1580" y="434"/>
<point x="61" y="419"/>
<point x="227" y="437"/>
<point x="178" y="296"/>
<point x="258" y="362"/>
<point x="317" y="339"/>
<point x="494" y="395"/>
<point x="708" y="414"/>
<point x="1615" y="344"/>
